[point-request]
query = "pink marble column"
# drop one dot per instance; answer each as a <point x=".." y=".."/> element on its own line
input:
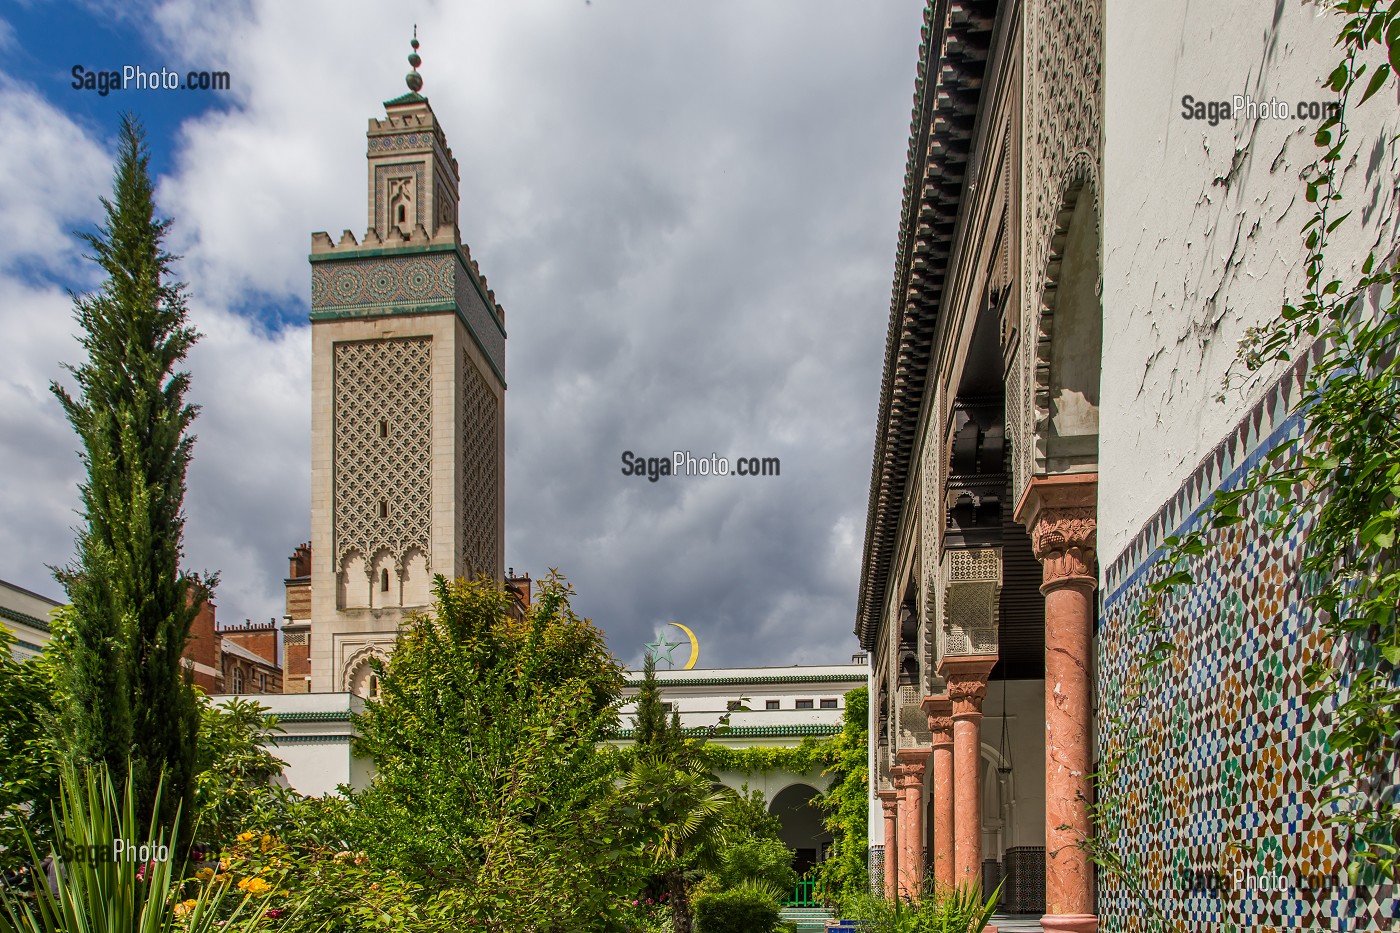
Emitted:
<point x="909" y="782"/>
<point x="889" y="802"/>
<point x="1059" y="512"/>
<point x="967" y="685"/>
<point x="940" y="723"/>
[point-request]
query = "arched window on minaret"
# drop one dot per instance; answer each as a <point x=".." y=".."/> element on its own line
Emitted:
<point x="401" y="205"/>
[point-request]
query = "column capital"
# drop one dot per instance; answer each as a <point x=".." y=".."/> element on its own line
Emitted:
<point x="967" y="682"/>
<point x="913" y="756"/>
<point x="907" y="777"/>
<point x="939" y="709"/>
<point x="1060" y="515"/>
<point x="889" y="799"/>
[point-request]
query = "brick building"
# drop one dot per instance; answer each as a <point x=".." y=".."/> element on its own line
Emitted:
<point x="239" y="659"/>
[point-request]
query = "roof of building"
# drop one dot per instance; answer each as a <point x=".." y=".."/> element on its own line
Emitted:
<point x="21" y="617"/>
<point x="725" y="677"/>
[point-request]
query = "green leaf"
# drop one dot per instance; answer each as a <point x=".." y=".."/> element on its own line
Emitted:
<point x="1377" y="80"/>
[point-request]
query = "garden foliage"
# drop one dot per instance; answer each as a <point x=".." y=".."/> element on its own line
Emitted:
<point x="98" y="893"/>
<point x="491" y="789"/>
<point x="747" y="908"/>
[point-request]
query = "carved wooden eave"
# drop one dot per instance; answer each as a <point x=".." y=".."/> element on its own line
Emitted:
<point x="957" y="35"/>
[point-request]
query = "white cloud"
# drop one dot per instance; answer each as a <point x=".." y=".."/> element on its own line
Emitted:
<point x="688" y="212"/>
<point x="54" y="173"/>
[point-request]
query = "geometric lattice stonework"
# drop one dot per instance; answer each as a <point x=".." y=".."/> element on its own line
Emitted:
<point x="480" y="482"/>
<point x="913" y="721"/>
<point x="383" y="449"/>
<point x="971" y="601"/>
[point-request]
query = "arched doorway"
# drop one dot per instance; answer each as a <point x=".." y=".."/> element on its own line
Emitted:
<point x="802" y="829"/>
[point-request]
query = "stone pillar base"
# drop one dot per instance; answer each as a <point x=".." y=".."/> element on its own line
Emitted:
<point x="1070" y="923"/>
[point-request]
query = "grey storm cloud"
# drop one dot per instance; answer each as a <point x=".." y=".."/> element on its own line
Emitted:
<point x="689" y="214"/>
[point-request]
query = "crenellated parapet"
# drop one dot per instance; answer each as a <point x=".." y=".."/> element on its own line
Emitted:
<point x="416" y="275"/>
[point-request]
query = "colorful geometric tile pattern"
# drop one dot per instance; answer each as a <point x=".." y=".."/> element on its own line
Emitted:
<point x="1216" y="802"/>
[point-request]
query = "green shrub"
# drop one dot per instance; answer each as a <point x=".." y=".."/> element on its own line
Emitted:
<point x="747" y="908"/>
<point x="765" y="861"/>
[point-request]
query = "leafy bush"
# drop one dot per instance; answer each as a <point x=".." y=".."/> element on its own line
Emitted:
<point x="747" y="908"/>
<point x="491" y="788"/>
<point x="648" y="914"/>
<point x="764" y="860"/>
<point x="234" y="768"/>
<point x="28" y="753"/>
<point x="843" y="872"/>
<point x="311" y="887"/>
<point x="749" y="847"/>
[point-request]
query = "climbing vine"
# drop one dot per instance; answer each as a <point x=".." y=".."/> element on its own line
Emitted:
<point x="847" y="803"/>
<point x="761" y="759"/>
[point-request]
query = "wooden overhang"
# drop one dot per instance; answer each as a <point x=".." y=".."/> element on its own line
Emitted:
<point x="956" y="37"/>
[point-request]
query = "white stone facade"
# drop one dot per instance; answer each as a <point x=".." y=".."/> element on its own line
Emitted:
<point x="26" y="616"/>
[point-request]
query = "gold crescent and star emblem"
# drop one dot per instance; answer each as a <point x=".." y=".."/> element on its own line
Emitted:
<point x="663" y="647"/>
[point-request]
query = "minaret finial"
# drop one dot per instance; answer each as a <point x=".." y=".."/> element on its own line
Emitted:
<point x="414" y="79"/>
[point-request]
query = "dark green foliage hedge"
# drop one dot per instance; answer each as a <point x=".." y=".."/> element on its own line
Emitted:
<point x="738" y="910"/>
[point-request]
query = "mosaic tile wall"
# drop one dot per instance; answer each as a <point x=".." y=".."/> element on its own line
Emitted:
<point x="876" y="868"/>
<point x="1217" y="800"/>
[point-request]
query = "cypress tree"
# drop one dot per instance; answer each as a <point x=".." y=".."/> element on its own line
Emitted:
<point x="126" y="698"/>
<point x="656" y="732"/>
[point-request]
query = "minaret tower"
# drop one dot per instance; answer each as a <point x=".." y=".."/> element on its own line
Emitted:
<point x="408" y="402"/>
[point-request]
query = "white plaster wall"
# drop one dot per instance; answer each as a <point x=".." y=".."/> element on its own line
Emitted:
<point x="315" y="770"/>
<point x="316" y="740"/>
<point x="1201" y="225"/>
<point x="773" y="783"/>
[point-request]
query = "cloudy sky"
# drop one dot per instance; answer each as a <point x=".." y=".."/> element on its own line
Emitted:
<point x="687" y="209"/>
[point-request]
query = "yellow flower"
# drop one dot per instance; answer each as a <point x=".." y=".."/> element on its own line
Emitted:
<point x="267" y="842"/>
<point x="244" y="837"/>
<point x="204" y="874"/>
<point x="223" y="877"/>
<point x="254" y="886"/>
<point x="185" y="907"/>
